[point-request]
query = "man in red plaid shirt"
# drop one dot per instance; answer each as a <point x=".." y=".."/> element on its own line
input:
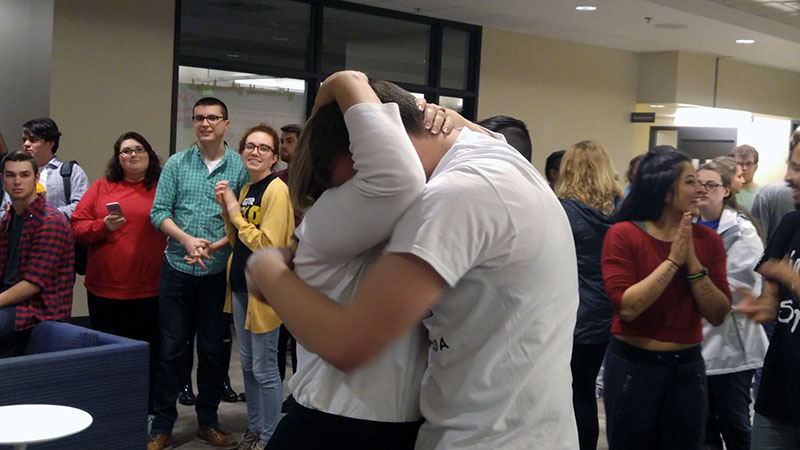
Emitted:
<point x="36" y="257"/>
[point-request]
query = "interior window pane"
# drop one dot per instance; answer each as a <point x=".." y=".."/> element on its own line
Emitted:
<point x="455" y="58"/>
<point x="251" y="99"/>
<point x="263" y="32"/>
<point x="454" y="103"/>
<point x="383" y="48"/>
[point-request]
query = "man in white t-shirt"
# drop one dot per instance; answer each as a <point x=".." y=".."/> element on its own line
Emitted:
<point x="485" y="259"/>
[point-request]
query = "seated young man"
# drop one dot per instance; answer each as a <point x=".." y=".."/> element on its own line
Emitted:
<point x="36" y="257"/>
<point x="484" y="257"/>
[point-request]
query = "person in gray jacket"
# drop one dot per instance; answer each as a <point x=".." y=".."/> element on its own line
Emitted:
<point x="733" y="350"/>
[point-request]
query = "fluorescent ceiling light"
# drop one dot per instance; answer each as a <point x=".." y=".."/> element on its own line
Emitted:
<point x="283" y="84"/>
<point x="712" y="117"/>
<point x="745" y="41"/>
<point x="586" y="8"/>
<point x="656" y="106"/>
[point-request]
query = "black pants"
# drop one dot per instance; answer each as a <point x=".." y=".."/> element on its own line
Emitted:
<point x="654" y="400"/>
<point x="285" y="340"/>
<point x="308" y="429"/>
<point x="188" y="358"/>
<point x="133" y="319"/>
<point x="14" y="343"/>
<point x="585" y="363"/>
<point x="181" y="297"/>
<point x="729" y="410"/>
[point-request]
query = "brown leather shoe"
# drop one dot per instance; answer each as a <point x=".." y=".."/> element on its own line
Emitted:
<point x="217" y="438"/>
<point x="158" y="441"/>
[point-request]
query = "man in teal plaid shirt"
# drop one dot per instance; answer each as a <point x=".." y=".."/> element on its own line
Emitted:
<point x="193" y="275"/>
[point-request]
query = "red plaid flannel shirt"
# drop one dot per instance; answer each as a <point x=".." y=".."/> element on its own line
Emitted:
<point x="45" y="259"/>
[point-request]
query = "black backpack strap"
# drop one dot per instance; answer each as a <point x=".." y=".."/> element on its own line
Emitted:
<point x="66" y="173"/>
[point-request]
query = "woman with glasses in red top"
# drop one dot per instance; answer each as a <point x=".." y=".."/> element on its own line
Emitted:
<point x="125" y="251"/>
<point x="663" y="274"/>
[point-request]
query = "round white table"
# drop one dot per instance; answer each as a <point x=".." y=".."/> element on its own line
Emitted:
<point x="29" y="424"/>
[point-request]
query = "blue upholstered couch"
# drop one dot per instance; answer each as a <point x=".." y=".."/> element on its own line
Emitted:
<point x="102" y="374"/>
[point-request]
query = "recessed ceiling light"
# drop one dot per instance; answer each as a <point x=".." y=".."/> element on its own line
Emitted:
<point x="586" y="8"/>
<point x="656" y="106"/>
<point x="745" y="41"/>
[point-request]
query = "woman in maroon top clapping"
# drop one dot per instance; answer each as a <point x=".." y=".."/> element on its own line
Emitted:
<point x="662" y="274"/>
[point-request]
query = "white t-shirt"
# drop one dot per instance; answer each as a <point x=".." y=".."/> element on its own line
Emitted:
<point x="498" y="374"/>
<point x="211" y="164"/>
<point x="340" y="237"/>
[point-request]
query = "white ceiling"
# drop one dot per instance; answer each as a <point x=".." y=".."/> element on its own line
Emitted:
<point x="700" y="26"/>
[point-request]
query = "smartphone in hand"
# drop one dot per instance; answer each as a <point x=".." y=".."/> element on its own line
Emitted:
<point x="114" y="208"/>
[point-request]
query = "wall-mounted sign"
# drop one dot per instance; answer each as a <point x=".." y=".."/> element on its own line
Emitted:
<point x="643" y="117"/>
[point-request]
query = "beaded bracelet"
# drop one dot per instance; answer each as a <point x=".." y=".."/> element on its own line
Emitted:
<point x="698" y="275"/>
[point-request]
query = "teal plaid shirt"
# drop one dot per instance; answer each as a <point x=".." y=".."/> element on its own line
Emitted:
<point x="185" y="194"/>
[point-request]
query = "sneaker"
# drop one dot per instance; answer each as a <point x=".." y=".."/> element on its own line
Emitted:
<point x="217" y="438"/>
<point x="187" y="396"/>
<point x="288" y="404"/>
<point x="158" y="441"/>
<point x="259" y="446"/>
<point x="227" y="394"/>
<point x="249" y="439"/>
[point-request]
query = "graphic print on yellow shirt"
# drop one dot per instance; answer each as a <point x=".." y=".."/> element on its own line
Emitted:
<point x="252" y="213"/>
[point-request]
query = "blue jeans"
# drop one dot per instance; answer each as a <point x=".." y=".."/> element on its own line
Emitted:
<point x="182" y="298"/>
<point x="262" y="381"/>
<point x="654" y="400"/>
<point x="729" y="409"/>
<point x="769" y="434"/>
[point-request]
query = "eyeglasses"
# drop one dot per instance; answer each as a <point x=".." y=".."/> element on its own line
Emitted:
<point x="128" y="152"/>
<point x="212" y="119"/>
<point x="709" y="186"/>
<point x="747" y="164"/>
<point x="263" y="148"/>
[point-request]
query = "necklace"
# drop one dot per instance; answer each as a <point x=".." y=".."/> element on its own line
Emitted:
<point x="134" y="181"/>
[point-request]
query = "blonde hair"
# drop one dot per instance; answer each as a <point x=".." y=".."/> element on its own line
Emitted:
<point x="587" y="175"/>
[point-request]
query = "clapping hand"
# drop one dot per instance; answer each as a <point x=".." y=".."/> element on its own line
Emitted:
<point x="680" y="249"/>
<point x="756" y="308"/>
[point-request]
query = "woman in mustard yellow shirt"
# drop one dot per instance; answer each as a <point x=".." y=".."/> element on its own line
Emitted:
<point x="261" y="217"/>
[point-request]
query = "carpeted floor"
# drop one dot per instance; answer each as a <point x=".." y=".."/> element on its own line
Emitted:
<point x="233" y="416"/>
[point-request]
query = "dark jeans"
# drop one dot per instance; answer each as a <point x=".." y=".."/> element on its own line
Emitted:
<point x="132" y="318"/>
<point x="285" y="340"/>
<point x="585" y="363"/>
<point x="654" y="400"/>
<point x="188" y="358"/>
<point x="769" y="328"/>
<point x="181" y="297"/>
<point x="309" y="429"/>
<point x="729" y="410"/>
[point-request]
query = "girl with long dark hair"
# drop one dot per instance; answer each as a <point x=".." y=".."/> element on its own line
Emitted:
<point x="663" y="274"/>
